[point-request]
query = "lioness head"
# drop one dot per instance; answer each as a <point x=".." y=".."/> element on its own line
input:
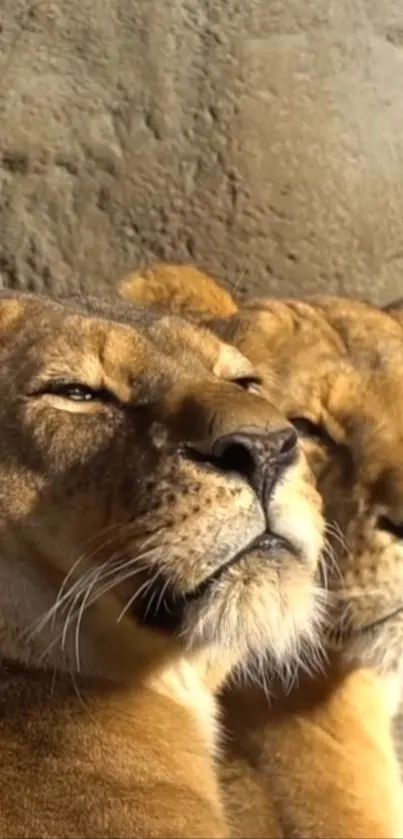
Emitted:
<point x="151" y="498"/>
<point x="334" y="367"/>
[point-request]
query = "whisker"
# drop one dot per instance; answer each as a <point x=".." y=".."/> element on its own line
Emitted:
<point x="74" y="600"/>
<point x="123" y="572"/>
<point x="33" y="629"/>
<point x="331" y="563"/>
<point x="92" y="577"/>
<point x="84" y="583"/>
<point x="150" y="603"/>
<point x="87" y="557"/>
<point x="84" y="600"/>
<point x="126" y="569"/>
<point x="37" y="625"/>
<point x="95" y="575"/>
<point x="161" y="598"/>
<point x="333" y="529"/>
<point x="143" y="588"/>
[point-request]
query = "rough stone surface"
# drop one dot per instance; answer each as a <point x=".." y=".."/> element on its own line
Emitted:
<point x="263" y="140"/>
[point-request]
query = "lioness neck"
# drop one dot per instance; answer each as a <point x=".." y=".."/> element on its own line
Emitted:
<point x="33" y="633"/>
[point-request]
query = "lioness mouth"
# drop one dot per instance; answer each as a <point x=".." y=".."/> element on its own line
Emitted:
<point x="169" y="606"/>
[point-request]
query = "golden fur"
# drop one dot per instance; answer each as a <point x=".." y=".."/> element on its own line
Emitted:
<point x="313" y="765"/>
<point x="142" y="557"/>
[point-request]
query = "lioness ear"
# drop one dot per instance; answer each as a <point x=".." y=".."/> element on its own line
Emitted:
<point x="395" y="310"/>
<point x="182" y="288"/>
<point x="394" y="306"/>
<point x="11" y="308"/>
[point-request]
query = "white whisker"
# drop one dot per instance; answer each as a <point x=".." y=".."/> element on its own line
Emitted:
<point x="119" y="575"/>
<point x="144" y="587"/>
<point x="98" y="575"/>
<point x="161" y="598"/>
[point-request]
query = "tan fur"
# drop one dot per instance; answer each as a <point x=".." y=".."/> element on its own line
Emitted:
<point x="114" y="515"/>
<point x="322" y="762"/>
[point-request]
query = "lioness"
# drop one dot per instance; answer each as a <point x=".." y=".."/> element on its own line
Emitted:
<point x="329" y="759"/>
<point x="157" y="524"/>
<point x="322" y="762"/>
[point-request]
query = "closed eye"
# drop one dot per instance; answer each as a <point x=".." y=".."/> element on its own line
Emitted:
<point x="251" y="383"/>
<point x="75" y="392"/>
<point x="311" y="430"/>
<point x="389" y="526"/>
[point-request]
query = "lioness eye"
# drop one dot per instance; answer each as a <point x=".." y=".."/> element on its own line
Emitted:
<point x="249" y="383"/>
<point x="307" y="428"/>
<point x="390" y="527"/>
<point x="76" y="391"/>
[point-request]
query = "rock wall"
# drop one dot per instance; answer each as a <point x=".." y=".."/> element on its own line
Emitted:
<point x="261" y="139"/>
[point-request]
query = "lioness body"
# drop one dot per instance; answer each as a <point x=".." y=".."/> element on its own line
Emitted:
<point x="105" y="763"/>
<point x="317" y="763"/>
<point x="313" y="764"/>
<point x="142" y="557"/>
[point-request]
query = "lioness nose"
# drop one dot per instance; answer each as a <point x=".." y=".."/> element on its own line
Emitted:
<point x="258" y="456"/>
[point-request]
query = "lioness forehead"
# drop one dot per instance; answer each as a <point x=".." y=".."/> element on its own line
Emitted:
<point x="91" y="334"/>
<point x="333" y="359"/>
<point x="111" y="311"/>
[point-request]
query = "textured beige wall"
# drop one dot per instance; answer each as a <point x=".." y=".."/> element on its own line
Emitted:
<point x="262" y="139"/>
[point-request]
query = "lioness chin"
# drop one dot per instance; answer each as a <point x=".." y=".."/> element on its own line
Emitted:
<point x="322" y="762"/>
<point x="158" y="524"/>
